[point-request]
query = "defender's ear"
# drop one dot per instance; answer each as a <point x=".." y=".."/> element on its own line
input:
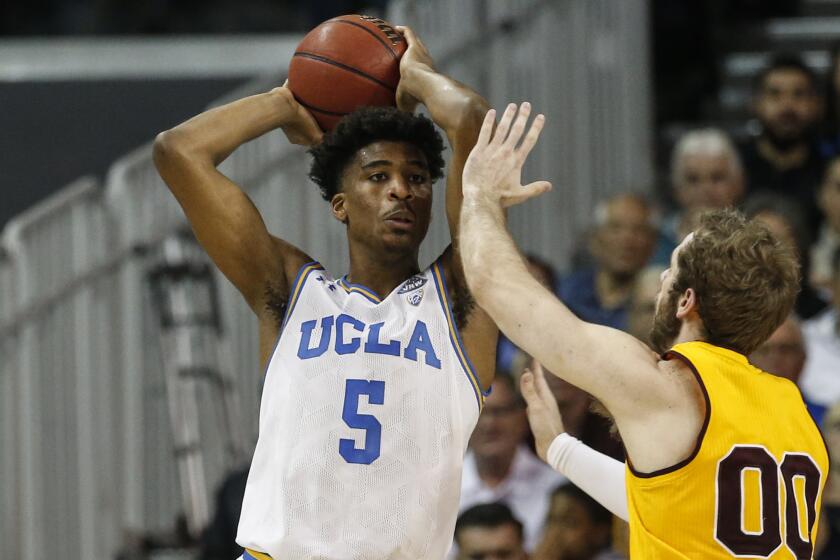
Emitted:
<point x="687" y="304"/>
<point x="338" y="209"/>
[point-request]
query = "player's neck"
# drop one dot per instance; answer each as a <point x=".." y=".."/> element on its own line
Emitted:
<point x="690" y="331"/>
<point x="378" y="272"/>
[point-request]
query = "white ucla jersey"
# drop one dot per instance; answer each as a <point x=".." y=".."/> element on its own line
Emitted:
<point x="366" y="412"/>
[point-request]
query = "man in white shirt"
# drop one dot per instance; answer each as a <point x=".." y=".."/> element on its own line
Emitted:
<point x="499" y="466"/>
<point x="820" y="381"/>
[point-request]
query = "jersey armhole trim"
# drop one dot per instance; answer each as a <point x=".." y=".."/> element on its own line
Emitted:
<point x="700" y="437"/>
<point x="294" y="294"/>
<point x="454" y="336"/>
<point x="297" y="288"/>
<point x="249" y="554"/>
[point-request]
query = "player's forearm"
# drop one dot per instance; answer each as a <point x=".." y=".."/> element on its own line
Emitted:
<point x="499" y="280"/>
<point x="213" y="135"/>
<point x="486" y="247"/>
<point x="454" y="107"/>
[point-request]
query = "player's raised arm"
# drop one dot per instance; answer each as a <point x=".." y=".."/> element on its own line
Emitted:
<point x="225" y="221"/>
<point x="459" y="111"/>
<point x="611" y="365"/>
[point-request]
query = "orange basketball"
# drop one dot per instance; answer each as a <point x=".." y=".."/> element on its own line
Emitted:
<point x="346" y="63"/>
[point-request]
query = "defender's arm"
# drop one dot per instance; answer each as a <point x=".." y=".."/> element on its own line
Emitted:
<point x="611" y="365"/>
<point x="599" y="475"/>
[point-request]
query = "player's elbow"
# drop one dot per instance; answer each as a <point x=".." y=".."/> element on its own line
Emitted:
<point x="173" y="152"/>
<point x="470" y="111"/>
<point x="165" y="149"/>
<point x="461" y="115"/>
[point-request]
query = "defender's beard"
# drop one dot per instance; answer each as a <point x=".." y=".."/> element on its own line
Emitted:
<point x="666" y="326"/>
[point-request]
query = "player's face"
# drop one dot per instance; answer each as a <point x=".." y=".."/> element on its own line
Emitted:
<point x="666" y="325"/>
<point x="387" y="196"/>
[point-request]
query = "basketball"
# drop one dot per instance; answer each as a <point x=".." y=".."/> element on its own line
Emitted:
<point x="346" y="63"/>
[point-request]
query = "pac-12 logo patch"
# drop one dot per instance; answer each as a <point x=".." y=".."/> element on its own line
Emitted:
<point x="415" y="298"/>
<point x="412" y="284"/>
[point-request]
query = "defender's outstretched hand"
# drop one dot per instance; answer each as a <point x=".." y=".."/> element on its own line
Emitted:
<point x="543" y="412"/>
<point x="494" y="167"/>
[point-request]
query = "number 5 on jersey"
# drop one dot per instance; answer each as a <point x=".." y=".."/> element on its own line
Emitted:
<point x="375" y="392"/>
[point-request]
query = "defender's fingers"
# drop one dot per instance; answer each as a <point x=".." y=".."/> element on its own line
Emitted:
<point x="525" y="192"/>
<point x="531" y="138"/>
<point x="519" y="125"/>
<point x="504" y="124"/>
<point x="527" y="384"/>
<point x="536" y="189"/>
<point x="486" y="132"/>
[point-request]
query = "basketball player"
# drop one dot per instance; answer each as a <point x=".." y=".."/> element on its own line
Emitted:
<point x="723" y="459"/>
<point x="374" y="380"/>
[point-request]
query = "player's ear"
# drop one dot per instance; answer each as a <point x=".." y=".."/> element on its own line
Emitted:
<point x="338" y="209"/>
<point x="687" y="303"/>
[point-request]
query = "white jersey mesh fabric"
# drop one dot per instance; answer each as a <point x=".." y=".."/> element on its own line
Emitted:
<point x="366" y="413"/>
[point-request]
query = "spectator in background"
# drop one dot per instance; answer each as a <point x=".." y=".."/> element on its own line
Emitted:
<point x="622" y="243"/>
<point x="787" y="223"/>
<point x="577" y="528"/>
<point x="489" y="532"/>
<point x="831" y="123"/>
<point x="706" y="173"/>
<point x="783" y="354"/>
<point x="828" y="240"/>
<point x="643" y="302"/>
<point x="828" y="545"/>
<point x="499" y="467"/>
<point x="821" y="377"/>
<point x="785" y="158"/>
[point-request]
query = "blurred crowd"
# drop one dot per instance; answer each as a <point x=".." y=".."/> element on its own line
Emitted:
<point x="788" y="176"/>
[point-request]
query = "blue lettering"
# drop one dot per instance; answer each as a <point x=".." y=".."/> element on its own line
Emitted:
<point x="374" y="346"/>
<point x="342" y="347"/>
<point x="420" y="341"/>
<point x="306" y="328"/>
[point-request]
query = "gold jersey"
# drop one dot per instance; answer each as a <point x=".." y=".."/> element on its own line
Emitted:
<point x="753" y="485"/>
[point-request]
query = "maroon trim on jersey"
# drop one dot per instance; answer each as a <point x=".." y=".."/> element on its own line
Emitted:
<point x="667" y="356"/>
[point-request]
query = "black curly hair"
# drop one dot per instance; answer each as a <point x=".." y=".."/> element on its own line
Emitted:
<point x="365" y="126"/>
